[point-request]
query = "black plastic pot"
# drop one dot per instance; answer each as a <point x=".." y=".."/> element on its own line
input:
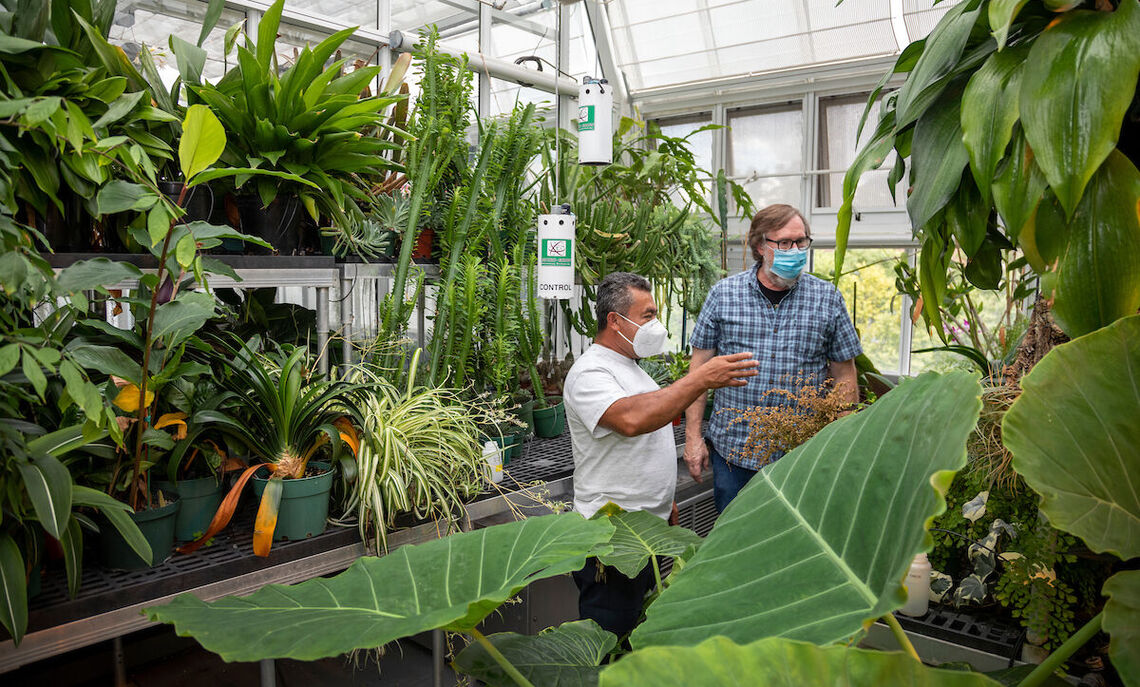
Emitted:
<point x="279" y="224"/>
<point x="199" y="204"/>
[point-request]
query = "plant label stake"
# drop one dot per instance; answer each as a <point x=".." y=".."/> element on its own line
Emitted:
<point x="556" y="254"/>
<point x="595" y="122"/>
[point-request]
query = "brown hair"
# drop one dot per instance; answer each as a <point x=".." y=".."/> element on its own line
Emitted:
<point x="768" y="220"/>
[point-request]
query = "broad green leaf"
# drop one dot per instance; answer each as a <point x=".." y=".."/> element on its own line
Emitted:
<point x="13" y="589"/>
<point x="1017" y="186"/>
<point x="232" y="36"/>
<point x="48" y="486"/>
<point x="213" y="13"/>
<point x="719" y="662"/>
<point x="185" y="251"/>
<point x="41" y="110"/>
<point x="820" y="541"/>
<point x="1002" y="13"/>
<point x="184" y="315"/>
<point x="96" y="273"/>
<point x="639" y="535"/>
<point x="989" y="111"/>
<point x="61" y="441"/>
<point x="203" y="140"/>
<point x="1075" y="440"/>
<point x="569" y="655"/>
<point x="937" y="158"/>
<point x="35" y="375"/>
<point x="117" y="513"/>
<point x="157" y="223"/>
<point x="1072" y="103"/>
<point x="118" y="109"/>
<point x="13" y="271"/>
<point x="967" y="215"/>
<point x="267" y="34"/>
<point x="9" y="356"/>
<point x="238" y="171"/>
<point x="1122" y="623"/>
<point x="120" y="196"/>
<point x="107" y="360"/>
<point x="451" y="583"/>
<point x="944" y="47"/>
<point x="191" y="59"/>
<point x="1096" y="278"/>
<point x="13" y="45"/>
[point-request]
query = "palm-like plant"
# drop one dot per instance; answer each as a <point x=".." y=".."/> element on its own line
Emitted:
<point x="283" y="417"/>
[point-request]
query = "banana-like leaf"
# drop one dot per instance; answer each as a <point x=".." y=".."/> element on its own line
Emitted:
<point x="1095" y="278"/>
<point x="569" y="655"/>
<point x="1072" y="103"/>
<point x="937" y="158"/>
<point x="719" y="662"/>
<point x="943" y="49"/>
<point x="117" y="513"/>
<point x="1018" y="186"/>
<point x="639" y="535"/>
<point x="13" y="589"/>
<point x="1002" y="13"/>
<point x="819" y="541"/>
<point x="1122" y="623"/>
<point x="47" y="483"/>
<point x="72" y="544"/>
<point x="266" y="521"/>
<point x="1075" y="439"/>
<point x="989" y="111"/>
<point x="451" y="583"/>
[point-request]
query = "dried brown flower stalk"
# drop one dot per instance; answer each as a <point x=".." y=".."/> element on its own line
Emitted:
<point x="798" y="417"/>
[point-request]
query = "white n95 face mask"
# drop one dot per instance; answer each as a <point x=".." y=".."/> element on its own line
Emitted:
<point x="649" y="339"/>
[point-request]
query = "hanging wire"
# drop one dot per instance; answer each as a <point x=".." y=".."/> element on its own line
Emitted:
<point x="557" y="101"/>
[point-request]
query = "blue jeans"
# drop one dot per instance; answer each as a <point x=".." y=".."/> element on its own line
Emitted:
<point x="728" y="479"/>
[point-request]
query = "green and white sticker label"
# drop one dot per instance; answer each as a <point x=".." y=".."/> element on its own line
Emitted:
<point x="556" y="253"/>
<point x="585" y="118"/>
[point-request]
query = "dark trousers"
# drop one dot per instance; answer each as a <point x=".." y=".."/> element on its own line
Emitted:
<point x="728" y="479"/>
<point x="615" y="601"/>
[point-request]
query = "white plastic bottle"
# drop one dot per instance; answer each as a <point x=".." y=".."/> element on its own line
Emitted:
<point x="494" y="459"/>
<point x="917" y="587"/>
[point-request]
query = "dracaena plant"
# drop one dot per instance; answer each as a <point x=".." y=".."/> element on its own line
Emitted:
<point x="1016" y="128"/>
<point x="305" y="124"/>
<point x="283" y="414"/>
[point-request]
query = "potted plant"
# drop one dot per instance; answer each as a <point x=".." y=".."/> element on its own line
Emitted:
<point x="304" y="128"/>
<point x="287" y="419"/>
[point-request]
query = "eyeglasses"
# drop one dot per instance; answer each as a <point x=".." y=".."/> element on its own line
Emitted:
<point x="802" y="243"/>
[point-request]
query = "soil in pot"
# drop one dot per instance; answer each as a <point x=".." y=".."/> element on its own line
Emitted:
<point x="279" y="224"/>
<point x="200" y="499"/>
<point x="304" y="502"/>
<point x="157" y="526"/>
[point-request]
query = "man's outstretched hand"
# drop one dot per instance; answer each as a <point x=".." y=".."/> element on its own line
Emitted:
<point x="727" y="370"/>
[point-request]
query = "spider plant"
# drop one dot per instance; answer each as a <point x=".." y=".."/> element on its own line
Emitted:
<point x="283" y="417"/>
<point x="420" y="453"/>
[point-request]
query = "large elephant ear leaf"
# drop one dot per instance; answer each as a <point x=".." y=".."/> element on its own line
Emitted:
<point x="639" y="535"/>
<point x="719" y="662"/>
<point x="1075" y="439"/>
<point x="569" y="655"/>
<point x="451" y="583"/>
<point x="819" y="542"/>
<point x="1122" y="623"/>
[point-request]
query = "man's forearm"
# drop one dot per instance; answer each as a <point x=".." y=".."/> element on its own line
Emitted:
<point x="647" y="412"/>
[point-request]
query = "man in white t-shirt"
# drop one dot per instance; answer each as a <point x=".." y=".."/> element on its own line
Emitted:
<point x="619" y="420"/>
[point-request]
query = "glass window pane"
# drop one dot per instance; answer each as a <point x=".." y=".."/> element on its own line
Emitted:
<point x="700" y="143"/>
<point x="767" y="141"/>
<point x="868" y="288"/>
<point x="179" y="17"/>
<point x="838" y="122"/>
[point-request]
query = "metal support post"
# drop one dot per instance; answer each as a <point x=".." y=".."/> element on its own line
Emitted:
<point x="437" y="658"/>
<point x="323" y="329"/>
<point x="421" y="320"/>
<point x="484" y="48"/>
<point x="268" y="673"/>
<point x="346" y="288"/>
<point x="120" y="663"/>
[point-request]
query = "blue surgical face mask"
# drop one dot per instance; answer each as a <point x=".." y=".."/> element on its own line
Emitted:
<point x="789" y="264"/>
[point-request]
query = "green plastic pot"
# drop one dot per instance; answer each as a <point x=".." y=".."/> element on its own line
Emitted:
<point x="157" y="527"/>
<point x="304" y="503"/>
<point x="506" y="444"/>
<point x="200" y="500"/>
<point x="518" y="448"/>
<point x="551" y="421"/>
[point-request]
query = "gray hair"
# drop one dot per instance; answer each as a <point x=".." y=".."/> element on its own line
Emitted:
<point x="614" y="294"/>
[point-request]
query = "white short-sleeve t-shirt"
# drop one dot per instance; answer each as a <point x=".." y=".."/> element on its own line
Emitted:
<point x="636" y="473"/>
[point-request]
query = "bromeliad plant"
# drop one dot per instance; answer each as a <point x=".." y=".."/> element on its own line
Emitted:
<point x="283" y="415"/>
<point x="304" y="127"/>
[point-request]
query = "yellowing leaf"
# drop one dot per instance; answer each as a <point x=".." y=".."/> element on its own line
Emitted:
<point x="128" y="398"/>
<point x="177" y="420"/>
<point x="203" y="140"/>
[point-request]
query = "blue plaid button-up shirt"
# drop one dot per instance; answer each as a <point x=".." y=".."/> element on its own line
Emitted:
<point x="796" y="339"/>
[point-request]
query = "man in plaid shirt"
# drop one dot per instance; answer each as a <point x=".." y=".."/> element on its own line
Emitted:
<point x="794" y="324"/>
